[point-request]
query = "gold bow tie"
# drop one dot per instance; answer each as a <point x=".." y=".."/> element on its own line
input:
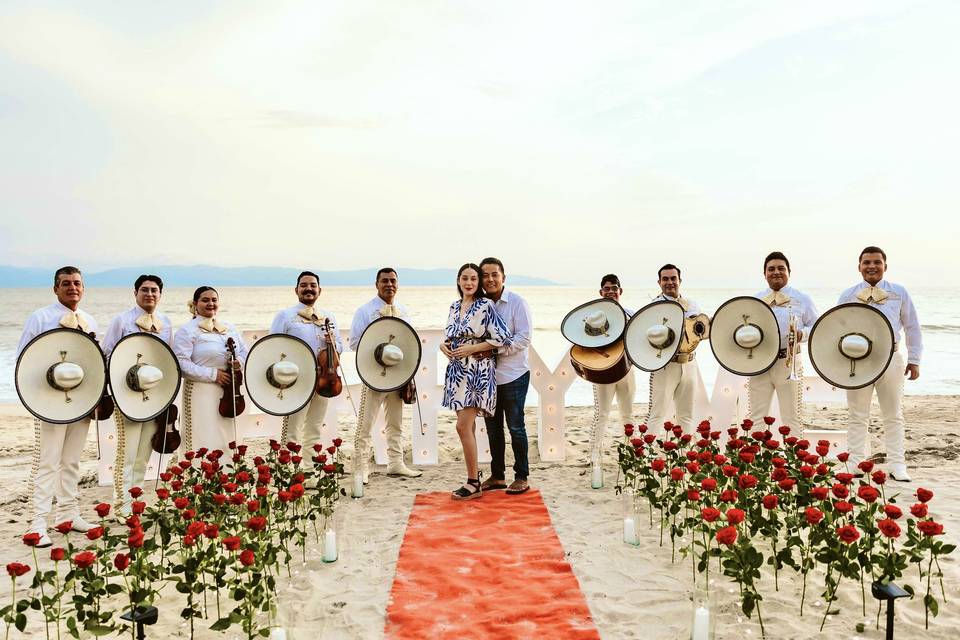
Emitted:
<point x="388" y="311"/>
<point x="776" y="299"/>
<point x="872" y="294"/>
<point x="684" y="303"/>
<point x="148" y="323"/>
<point x="73" y="320"/>
<point x="308" y="315"/>
<point x="210" y="325"/>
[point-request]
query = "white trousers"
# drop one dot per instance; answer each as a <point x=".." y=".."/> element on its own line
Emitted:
<point x="890" y="396"/>
<point x="603" y="395"/>
<point x="303" y="427"/>
<point x="789" y="392"/>
<point x="370" y="404"/>
<point x="677" y="382"/>
<point x="130" y="465"/>
<point x="56" y="470"/>
<point x="203" y="426"/>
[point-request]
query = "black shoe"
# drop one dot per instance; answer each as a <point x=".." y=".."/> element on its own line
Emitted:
<point x="472" y="489"/>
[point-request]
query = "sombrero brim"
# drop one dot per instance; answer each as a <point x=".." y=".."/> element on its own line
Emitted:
<point x="390" y="331"/>
<point x="47" y="349"/>
<point x="824" y="345"/>
<point x="573" y="324"/>
<point x="643" y="354"/>
<point x="269" y="350"/>
<point x="731" y="356"/>
<point x="148" y="349"/>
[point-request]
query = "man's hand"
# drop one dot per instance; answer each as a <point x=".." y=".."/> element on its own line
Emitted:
<point x="223" y="378"/>
<point x="445" y="350"/>
<point x="912" y="371"/>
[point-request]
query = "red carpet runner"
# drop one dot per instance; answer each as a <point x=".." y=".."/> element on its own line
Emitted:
<point x="488" y="568"/>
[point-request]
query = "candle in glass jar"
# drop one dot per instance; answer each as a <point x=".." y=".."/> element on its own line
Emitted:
<point x="701" y="624"/>
<point x="278" y="634"/>
<point x="630" y="531"/>
<point x="330" y="546"/>
<point x="596" y="476"/>
<point x="357" y="485"/>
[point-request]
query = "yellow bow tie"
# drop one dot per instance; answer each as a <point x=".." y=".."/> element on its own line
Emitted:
<point x="777" y="299"/>
<point x="73" y="320"/>
<point x="388" y="311"/>
<point x="210" y="325"/>
<point x="309" y="316"/>
<point x="684" y="303"/>
<point x="872" y="294"/>
<point x="148" y="323"/>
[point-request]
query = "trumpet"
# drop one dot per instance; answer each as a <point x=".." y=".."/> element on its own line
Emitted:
<point x="793" y="340"/>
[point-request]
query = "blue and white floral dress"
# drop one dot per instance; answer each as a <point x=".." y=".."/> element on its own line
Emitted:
<point x="470" y="382"/>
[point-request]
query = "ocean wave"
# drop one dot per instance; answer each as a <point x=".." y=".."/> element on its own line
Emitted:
<point x="940" y="328"/>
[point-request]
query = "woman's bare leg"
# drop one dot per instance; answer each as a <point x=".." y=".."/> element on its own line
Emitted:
<point x="466" y="429"/>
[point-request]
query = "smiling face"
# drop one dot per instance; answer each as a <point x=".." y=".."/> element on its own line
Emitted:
<point x="777" y="274"/>
<point x="387" y="285"/>
<point x="148" y="296"/>
<point x="493" y="280"/>
<point x="208" y="304"/>
<point x="469" y="282"/>
<point x="611" y="291"/>
<point x="69" y="290"/>
<point x="670" y="283"/>
<point x="307" y="290"/>
<point x="872" y="267"/>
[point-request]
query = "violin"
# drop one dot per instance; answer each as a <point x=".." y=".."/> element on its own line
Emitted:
<point x="329" y="384"/>
<point x="232" y="403"/>
<point x="166" y="439"/>
<point x="104" y="408"/>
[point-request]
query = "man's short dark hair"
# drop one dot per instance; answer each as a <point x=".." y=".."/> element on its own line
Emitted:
<point x="872" y="249"/>
<point x="776" y="255"/>
<point x="495" y="261"/>
<point x="308" y="273"/>
<point x="64" y="271"/>
<point x="667" y="267"/>
<point x="145" y="278"/>
<point x="612" y="278"/>
<point x="384" y="270"/>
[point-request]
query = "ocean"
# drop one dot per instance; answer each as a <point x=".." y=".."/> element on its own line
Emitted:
<point x="253" y="308"/>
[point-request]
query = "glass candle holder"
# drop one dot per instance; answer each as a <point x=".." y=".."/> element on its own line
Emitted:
<point x="703" y="621"/>
<point x="631" y="518"/>
<point x="356" y="479"/>
<point x="596" y="473"/>
<point x="329" y="541"/>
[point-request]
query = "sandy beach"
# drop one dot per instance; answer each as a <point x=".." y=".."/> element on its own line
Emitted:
<point x="631" y="592"/>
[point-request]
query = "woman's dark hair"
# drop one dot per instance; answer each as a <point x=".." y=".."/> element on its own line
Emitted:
<point x="148" y="277"/>
<point x="479" y="294"/>
<point x="199" y="292"/>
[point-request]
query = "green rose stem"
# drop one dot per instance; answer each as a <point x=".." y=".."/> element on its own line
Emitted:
<point x="830" y="597"/>
<point x="43" y="597"/>
<point x="927" y="598"/>
<point x="133" y="609"/>
<point x="805" y="558"/>
<point x="56" y="584"/>
<point x="13" y="605"/>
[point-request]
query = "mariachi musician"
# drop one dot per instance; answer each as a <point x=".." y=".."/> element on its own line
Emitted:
<point x="57" y="446"/>
<point x="131" y="460"/>
<point x="210" y="373"/>
<point x="678" y="380"/>
<point x="310" y="324"/>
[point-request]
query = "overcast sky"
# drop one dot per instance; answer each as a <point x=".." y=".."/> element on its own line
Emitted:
<point x="569" y="139"/>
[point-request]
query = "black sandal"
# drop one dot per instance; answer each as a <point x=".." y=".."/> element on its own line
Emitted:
<point x="472" y="489"/>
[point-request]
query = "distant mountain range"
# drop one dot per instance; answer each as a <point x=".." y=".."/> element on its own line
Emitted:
<point x="189" y="276"/>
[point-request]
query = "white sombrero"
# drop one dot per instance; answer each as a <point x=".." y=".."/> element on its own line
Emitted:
<point x="653" y="334"/>
<point x="144" y="376"/>
<point x="388" y="354"/>
<point x="597" y="323"/>
<point x="61" y="376"/>
<point x="280" y="374"/>
<point x="851" y="345"/>
<point x="745" y="336"/>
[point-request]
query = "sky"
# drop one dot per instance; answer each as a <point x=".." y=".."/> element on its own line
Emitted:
<point x="570" y="139"/>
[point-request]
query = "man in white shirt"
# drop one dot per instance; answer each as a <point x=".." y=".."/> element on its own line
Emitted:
<point x="603" y="394"/>
<point x="513" y="380"/>
<point x="306" y="322"/>
<point x="786" y="302"/>
<point x="382" y="305"/>
<point x="57" y="447"/>
<point x="677" y="381"/>
<point x="131" y="461"/>
<point x="895" y="303"/>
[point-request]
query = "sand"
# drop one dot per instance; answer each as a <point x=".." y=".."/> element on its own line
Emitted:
<point x="631" y="592"/>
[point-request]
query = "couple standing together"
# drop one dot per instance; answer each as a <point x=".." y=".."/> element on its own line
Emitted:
<point x="486" y="341"/>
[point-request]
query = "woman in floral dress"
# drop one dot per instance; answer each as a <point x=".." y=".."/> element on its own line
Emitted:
<point x="470" y="386"/>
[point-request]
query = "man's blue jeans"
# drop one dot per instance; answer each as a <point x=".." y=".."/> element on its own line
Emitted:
<point x="510" y="399"/>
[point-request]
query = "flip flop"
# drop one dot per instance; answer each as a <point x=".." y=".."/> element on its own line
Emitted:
<point x="517" y="487"/>
<point x="492" y="484"/>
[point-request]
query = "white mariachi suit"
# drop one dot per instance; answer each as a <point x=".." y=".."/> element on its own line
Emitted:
<point x="372" y="401"/>
<point x="134" y="446"/>
<point x="624" y="390"/>
<point x="678" y="381"/>
<point x="788" y="301"/>
<point x="895" y="303"/>
<point x="306" y="323"/>
<point x="201" y="349"/>
<point x="57" y="447"/>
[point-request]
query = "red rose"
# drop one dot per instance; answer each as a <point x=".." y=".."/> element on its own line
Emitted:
<point x="135" y="492"/>
<point x="188" y="514"/>
<point x="57" y="554"/>
<point x="770" y="501"/>
<point x="297" y="490"/>
<point x="197" y="489"/>
<point x="102" y="509"/>
<point x="628" y="429"/>
<point x="166" y="476"/>
<point x="844" y="478"/>
<point x="769" y="420"/>
<point x="708" y="484"/>
<point x="658" y="464"/>
<point x="238" y="499"/>
<point x="747" y="481"/>
<point x="189" y="540"/>
<point x="138" y="507"/>
<point x="747" y="424"/>
<point x="135" y="539"/>
<point x="176" y="485"/>
<point x="247" y="558"/>
<point x="790" y="440"/>
<point x="181" y="502"/>
<point x="889" y="528"/>
<point x="778" y="474"/>
<point x="211" y="531"/>
<point x="243" y="477"/>
<point x="879" y="477"/>
<point x="242" y="449"/>
<point x="232" y="543"/>
<point x="843" y="506"/>
<point x="823" y="449"/>
<point x="924" y="495"/>
<point x="196" y="528"/>
<point x="806" y="471"/>
<point x="31" y="539"/>
<point x="185" y="464"/>
<point x="693" y="467"/>
<point x="729" y="470"/>
<point x="730" y="495"/>
<point x="219" y="498"/>
<point x="787" y="485"/>
<point x="230" y="487"/>
<point x="771" y="444"/>
<point x="262" y="491"/>
<point x="329" y="468"/>
<point x="95" y="533"/>
<point x="669" y="445"/>
<point x="257" y="523"/>
<point x="84" y="559"/>
<point x="930" y="528"/>
<point x="784" y="430"/>
<point x="719" y="459"/>
<point x="647" y="439"/>
<point x="331" y="450"/>
<point x="133" y="522"/>
<point x="284" y="496"/>
<point x="868" y="494"/>
<point x="735" y="516"/>
<point x="746" y="456"/>
<point x="676" y="474"/>
<point x="15" y="569"/>
<point x="893" y="511"/>
<point x="727" y="535"/>
<point x="822" y="469"/>
<point x="693" y="495"/>
<point x="820" y="493"/>
<point x="848" y="534"/>
<point x="253" y="506"/>
<point x="866" y="466"/>
<point x="813" y="515"/>
<point x="710" y="514"/>
<point x="163" y="493"/>
<point x="65" y="527"/>
<point x="121" y="561"/>
<point x="919" y="510"/>
<point x="840" y="491"/>
<point x="843" y="457"/>
<point x="642" y="428"/>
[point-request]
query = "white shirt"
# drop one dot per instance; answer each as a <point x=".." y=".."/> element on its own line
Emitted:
<point x="693" y="309"/>
<point x="202" y="354"/>
<point x="515" y="313"/>
<point x="367" y="314"/>
<point x="800" y="305"/>
<point x="899" y="310"/>
<point x="288" y="322"/>
<point x="126" y="323"/>
<point x="47" y="318"/>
